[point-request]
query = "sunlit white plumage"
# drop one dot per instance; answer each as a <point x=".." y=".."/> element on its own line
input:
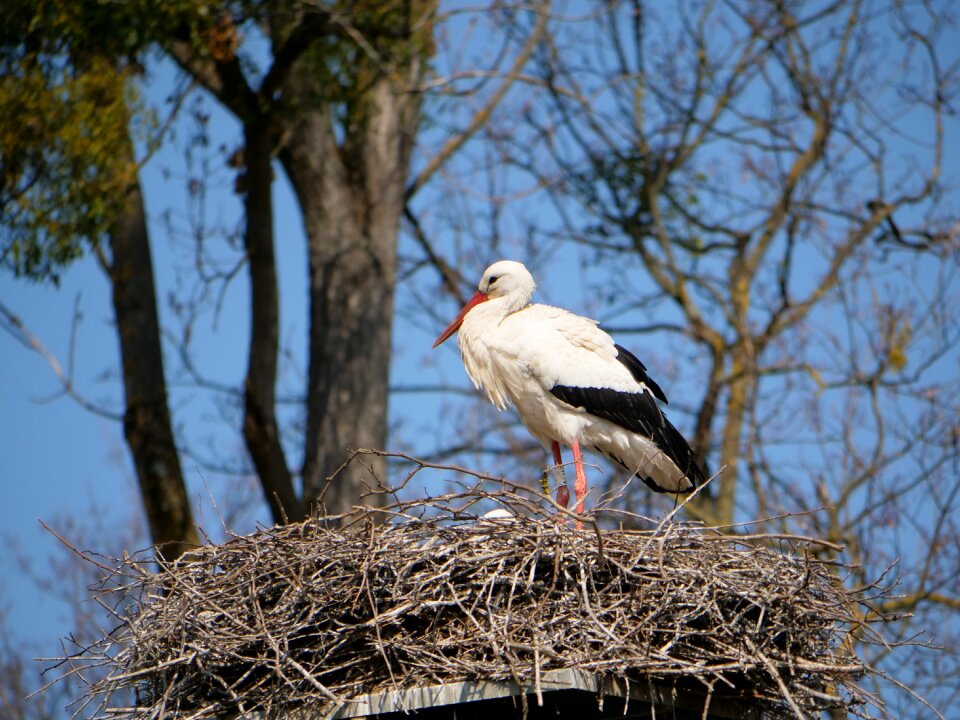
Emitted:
<point x="571" y="384"/>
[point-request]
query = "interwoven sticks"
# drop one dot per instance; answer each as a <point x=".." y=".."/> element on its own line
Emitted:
<point x="309" y="614"/>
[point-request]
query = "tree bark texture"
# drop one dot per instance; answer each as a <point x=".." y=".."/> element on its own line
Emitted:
<point x="147" y="425"/>
<point x="351" y="191"/>
<point x="260" y="429"/>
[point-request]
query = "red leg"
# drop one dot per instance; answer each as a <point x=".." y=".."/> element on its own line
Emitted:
<point x="563" y="494"/>
<point x="580" y="486"/>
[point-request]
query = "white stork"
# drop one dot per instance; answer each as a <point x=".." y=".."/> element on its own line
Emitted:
<point x="571" y="384"/>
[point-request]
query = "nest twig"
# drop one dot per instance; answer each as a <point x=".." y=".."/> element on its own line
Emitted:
<point x="311" y="614"/>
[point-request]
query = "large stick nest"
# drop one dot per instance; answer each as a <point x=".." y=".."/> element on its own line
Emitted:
<point x="311" y="614"/>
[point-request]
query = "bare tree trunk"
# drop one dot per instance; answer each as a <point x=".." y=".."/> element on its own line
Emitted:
<point x="731" y="442"/>
<point x="703" y="429"/>
<point x="344" y="130"/>
<point x="147" y="424"/>
<point x="352" y="194"/>
<point x="260" y="430"/>
<point x="740" y="374"/>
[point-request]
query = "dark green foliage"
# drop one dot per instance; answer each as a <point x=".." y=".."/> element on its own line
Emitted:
<point x="65" y="108"/>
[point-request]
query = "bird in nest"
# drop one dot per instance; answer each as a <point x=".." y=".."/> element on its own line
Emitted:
<point x="570" y="383"/>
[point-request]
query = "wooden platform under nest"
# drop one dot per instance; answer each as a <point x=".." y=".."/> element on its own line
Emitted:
<point x="309" y="617"/>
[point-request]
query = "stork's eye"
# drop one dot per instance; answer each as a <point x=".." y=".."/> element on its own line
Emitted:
<point x="492" y="280"/>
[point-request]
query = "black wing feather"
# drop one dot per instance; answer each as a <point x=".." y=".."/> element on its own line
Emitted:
<point x="639" y="372"/>
<point x="638" y="413"/>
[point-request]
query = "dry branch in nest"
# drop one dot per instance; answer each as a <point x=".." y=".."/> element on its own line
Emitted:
<point x="312" y="614"/>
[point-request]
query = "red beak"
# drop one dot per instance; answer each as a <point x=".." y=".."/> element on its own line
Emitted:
<point x="478" y="298"/>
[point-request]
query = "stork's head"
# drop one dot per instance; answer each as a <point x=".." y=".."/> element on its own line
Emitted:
<point x="507" y="277"/>
<point x="504" y="279"/>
